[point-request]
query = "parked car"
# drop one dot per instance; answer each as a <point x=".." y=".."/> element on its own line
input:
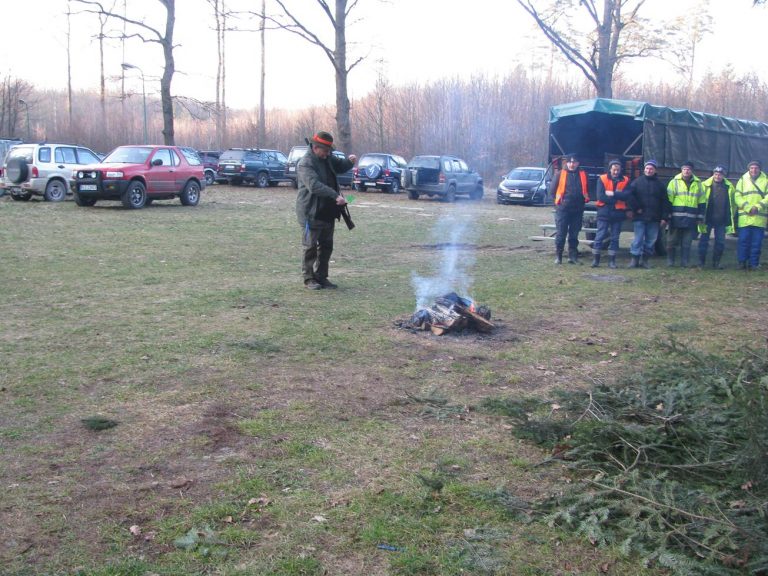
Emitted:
<point x="252" y="166"/>
<point x="524" y="185"/>
<point x="210" y="160"/>
<point x="139" y="175"/>
<point x="379" y="170"/>
<point x="443" y="176"/>
<point x="295" y="155"/>
<point x="290" y="164"/>
<point x="43" y="169"/>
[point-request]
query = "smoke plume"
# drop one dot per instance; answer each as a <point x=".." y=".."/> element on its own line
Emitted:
<point x="453" y="235"/>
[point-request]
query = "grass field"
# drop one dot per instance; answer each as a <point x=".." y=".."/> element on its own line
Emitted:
<point x="265" y="429"/>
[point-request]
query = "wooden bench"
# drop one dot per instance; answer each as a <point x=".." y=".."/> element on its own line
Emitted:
<point x="548" y="233"/>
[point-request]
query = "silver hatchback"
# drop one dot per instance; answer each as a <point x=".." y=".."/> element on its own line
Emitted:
<point x="43" y="169"/>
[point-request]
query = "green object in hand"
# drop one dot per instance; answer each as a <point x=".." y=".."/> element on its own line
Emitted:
<point x="350" y="198"/>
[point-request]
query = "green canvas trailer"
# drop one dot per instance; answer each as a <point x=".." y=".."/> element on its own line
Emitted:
<point x="601" y="130"/>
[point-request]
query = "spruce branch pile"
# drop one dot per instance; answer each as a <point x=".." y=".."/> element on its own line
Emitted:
<point x="670" y="463"/>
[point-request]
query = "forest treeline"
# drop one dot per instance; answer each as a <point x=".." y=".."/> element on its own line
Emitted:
<point x="495" y="123"/>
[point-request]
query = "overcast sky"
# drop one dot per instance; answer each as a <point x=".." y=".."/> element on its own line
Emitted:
<point x="406" y="40"/>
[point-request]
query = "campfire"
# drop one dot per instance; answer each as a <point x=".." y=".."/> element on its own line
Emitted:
<point x="451" y="313"/>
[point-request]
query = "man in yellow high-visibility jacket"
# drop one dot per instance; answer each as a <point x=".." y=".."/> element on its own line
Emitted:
<point x="684" y="193"/>
<point x="751" y="199"/>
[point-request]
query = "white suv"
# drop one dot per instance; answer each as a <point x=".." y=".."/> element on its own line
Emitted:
<point x="43" y="169"/>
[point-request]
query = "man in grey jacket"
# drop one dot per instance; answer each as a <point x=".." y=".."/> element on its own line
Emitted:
<point x="318" y="206"/>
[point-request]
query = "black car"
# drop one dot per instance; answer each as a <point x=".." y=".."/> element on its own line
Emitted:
<point x="295" y="155"/>
<point x="252" y="166"/>
<point x="443" y="176"/>
<point x="524" y="185"/>
<point x="380" y="171"/>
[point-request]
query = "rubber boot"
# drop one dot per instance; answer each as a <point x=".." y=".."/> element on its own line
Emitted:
<point x="671" y="255"/>
<point x="612" y="261"/>
<point x="644" y="262"/>
<point x="572" y="258"/>
<point x="559" y="257"/>
<point x="595" y="260"/>
<point x="635" y="262"/>
<point x="702" y="260"/>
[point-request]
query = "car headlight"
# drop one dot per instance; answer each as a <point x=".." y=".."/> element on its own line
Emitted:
<point x="114" y="174"/>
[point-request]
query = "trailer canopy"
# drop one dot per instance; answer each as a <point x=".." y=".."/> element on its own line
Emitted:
<point x="623" y="128"/>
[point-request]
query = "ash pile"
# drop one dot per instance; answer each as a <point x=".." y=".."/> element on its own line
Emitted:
<point x="452" y="313"/>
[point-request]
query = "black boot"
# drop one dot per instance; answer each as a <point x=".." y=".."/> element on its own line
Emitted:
<point x="702" y="260"/>
<point x="717" y="255"/>
<point x="595" y="260"/>
<point x="635" y="263"/>
<point x="611" y="261"/>
<point x="671" y="254"/>
<point x="559" y="257"/>
<point x="573" y="257"/>
<point x="644" y="262"/>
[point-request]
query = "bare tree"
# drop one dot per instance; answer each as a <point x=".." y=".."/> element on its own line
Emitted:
<point x="618" y="35"/>
<point x="337" y="54"/>
<point x="220" y="15"/>
<point x="694" y="25"/>
<point x="262" y="133"/>
<point x="148" y="34"/>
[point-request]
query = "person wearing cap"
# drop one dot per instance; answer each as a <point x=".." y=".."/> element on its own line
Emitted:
<point x="649" y="204"/>
<point x="570" y="191"/>
<point x="751" y="199"/>
<point x="318" y="206"/>
<point x="611" y="212"/>
<point x="684" y="192"/>
<point x="718" y="209"/>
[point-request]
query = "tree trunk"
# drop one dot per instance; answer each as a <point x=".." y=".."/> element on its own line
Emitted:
<point x="343" y="125"/>
<point x="262" y="133"/>
<point x="168" y="71"/>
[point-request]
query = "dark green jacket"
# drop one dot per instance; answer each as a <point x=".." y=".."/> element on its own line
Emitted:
<point x="318" y="187"/>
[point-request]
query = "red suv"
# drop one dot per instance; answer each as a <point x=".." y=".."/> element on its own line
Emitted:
<point x="138" y="175"/>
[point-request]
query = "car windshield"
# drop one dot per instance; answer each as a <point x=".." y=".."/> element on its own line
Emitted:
<point x="525" y="174"/>
<point x="128" y="155"/>
<point x="230" y="155"/>
<point x="425" y="162"/>
<point x="297" y="152"/>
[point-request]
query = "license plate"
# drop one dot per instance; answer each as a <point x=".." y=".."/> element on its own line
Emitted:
<point x="88" y="187"/>
<point x="291" y="169"/>
<point x="515" y="195"/>
<point x="370" y="183"/>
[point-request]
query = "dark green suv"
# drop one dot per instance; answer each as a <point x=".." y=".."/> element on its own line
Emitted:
<point x="252" y="166"/>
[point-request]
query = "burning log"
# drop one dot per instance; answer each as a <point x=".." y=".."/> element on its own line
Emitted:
<point x="452" y="313"/>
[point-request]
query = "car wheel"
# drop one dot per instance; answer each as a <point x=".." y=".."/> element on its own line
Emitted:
<point x="135" y="196"/>
<point x="477" y="193"/>
<point x="450" y="195"/>
<point x="413" y="195"/>
<point x="22" y="196"/>
<point x="394" y="188"/>
<point x="17" y="170"/>
<point x="262" y="180"/>
<point x="55" y="191"/>
<point x="210" y="179"/>
<point x="361" y="188"/>
<point x="191" y="194"/>
<point x="84" y="201"/>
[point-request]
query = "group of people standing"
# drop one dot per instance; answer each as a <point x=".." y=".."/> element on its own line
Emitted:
<point x="687" y="206"/>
